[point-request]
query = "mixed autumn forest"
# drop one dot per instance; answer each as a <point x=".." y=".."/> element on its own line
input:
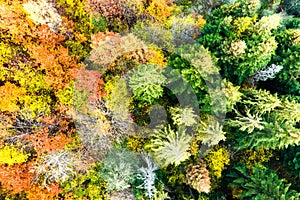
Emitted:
<point x="150" y="99"/>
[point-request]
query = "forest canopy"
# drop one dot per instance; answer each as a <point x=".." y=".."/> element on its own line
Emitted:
<point x="149" y="99"/>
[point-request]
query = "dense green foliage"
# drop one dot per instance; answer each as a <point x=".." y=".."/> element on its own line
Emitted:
<point x="147" y="83"/>
<point x="261" y="183"/>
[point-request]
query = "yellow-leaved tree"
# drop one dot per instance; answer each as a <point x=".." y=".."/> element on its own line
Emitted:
<point x="11" y="155"/>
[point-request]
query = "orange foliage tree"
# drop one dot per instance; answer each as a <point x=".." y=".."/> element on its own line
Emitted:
<point x="53" y="58"/>
<point x="10" y="95"/>
<point x="17" y="178"/>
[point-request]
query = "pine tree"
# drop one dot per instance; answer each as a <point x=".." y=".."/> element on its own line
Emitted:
<point x="168" y="146"/>
<point x="261" y="183"/>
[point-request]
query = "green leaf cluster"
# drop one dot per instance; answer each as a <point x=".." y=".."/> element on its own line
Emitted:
<point x="242" y="43"/>
<point x="168" y="146"/>
<point x="261" y="183"/>
<point x="291" y="159"/>
<point x="266" y="121"/>
<point x="147" y="82"/>
<point x="119" y="169"/>
<point x="197" y="68"/>
<point x="288" y="56"/>
<point x="210" y="131"/>
<point x="183" y="116"/>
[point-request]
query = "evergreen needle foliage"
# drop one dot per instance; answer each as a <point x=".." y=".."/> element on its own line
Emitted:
<point x="119" y="169"/>
<point x="168" y="146"/>
<point x="183" y="116"/>
<point x="261" y="183"/>
<point x="147" y="82"/>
